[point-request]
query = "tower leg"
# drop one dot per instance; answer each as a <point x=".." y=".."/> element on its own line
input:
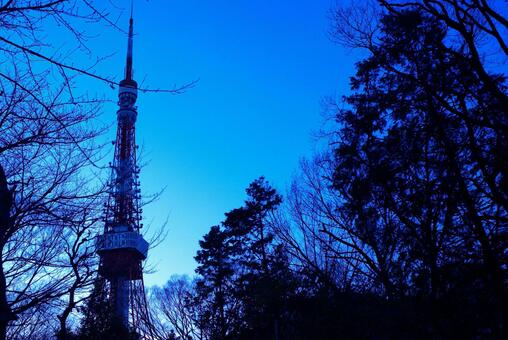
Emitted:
<point x="120" y="290"/>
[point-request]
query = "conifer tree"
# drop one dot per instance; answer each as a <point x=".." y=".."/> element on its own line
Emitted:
<point x="245" y="280"/>
<point x="98" y="321"/>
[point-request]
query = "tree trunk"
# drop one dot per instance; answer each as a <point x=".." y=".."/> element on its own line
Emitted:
<point x="62" y="334"/>
<point x="5" y="229"/>
<point x="5" y="311"/>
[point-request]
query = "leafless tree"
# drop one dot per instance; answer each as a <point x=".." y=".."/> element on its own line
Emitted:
<point x="44" y="156"/>
<point x="323" y="241"/>
<point x="171" y="308"/>
<point x="80" y="257"/>
<point x="38" y="262"/>
<point x="37" y="323"/>
<point x="355" y="25"/>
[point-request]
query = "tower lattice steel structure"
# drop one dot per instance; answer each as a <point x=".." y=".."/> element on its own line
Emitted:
<point x="121" y="247"/>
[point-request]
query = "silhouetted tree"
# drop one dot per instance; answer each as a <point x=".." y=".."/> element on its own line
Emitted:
<point x="420" y="166"/>
<point x="406" y="218"/>
<point x="81" y="257"/>
<point x="99" y="321"/>
<point x="325" y="247"/>
<point x="172" y="309"/>
<point x="44" y="148"/>
<point x="261" y="267"/>
<point x="44" y="169"/>
<point x="214" y="287"/>
<point x="96" y="312"/>
<point x="243" y="274"/>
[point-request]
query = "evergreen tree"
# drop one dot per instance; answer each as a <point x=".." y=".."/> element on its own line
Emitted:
<point x="98" y="317"/>
<point x="214" y="286"/>
<point x="420" y="168"/>
<point x="262" y="269"/>
<point x="245" y="280"/>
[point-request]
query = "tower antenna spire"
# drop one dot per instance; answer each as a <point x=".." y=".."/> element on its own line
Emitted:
<point x="128" y="66"/>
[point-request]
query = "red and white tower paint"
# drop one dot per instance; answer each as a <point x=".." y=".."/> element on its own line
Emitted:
<point x="121" y="247"/>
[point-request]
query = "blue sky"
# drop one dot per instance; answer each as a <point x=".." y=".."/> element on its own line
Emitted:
<point x="264" y="67"/>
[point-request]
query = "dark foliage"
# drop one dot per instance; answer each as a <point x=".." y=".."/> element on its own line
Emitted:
<point x="421" y="166"/>
<point x="99" y="321"/>
<point x="244" y="281"/>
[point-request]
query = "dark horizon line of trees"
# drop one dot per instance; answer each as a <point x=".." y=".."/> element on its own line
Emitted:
<point x="397" y="229"/>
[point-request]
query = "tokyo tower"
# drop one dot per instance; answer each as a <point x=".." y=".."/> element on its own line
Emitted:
<point x="121" y="247"/>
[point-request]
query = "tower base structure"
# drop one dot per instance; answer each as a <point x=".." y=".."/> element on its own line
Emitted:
<point x="121" y="255"/>
<point x="121" y="296"/>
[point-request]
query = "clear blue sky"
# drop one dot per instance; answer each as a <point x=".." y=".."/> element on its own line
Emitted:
<point x="264" y="67"/>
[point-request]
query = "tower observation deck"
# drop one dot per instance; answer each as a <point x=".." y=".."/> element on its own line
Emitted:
<point x="121" y="247"/>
